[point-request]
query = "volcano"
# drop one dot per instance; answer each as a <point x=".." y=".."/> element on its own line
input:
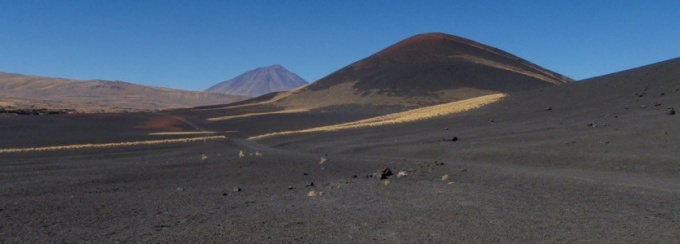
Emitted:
<point x="260" y="81"/>
<point x="422" y="70"/>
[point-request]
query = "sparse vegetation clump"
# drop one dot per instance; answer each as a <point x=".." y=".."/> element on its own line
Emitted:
<point x="241" y="154"/>
<point x="446" y="177"/>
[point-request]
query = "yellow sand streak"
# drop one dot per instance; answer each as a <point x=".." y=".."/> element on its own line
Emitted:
<point x="177" y="133"/>
<point x="402" y="117"/>
<point x="108" y="145"/>
<point x="289" y="111"/>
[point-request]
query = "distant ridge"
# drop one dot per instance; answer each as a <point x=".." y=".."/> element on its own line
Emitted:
<point x="19" y="91"/>
<point x="424" y="69"/>
<point x="260" y="81"/>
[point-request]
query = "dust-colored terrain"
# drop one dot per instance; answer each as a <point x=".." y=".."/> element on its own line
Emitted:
<point x="96" y="96"/>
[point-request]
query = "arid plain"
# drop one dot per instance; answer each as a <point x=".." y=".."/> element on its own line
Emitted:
<point x="482" y="146"/>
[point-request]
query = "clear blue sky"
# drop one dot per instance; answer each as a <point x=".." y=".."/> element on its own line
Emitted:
<point x="194" y="44"/>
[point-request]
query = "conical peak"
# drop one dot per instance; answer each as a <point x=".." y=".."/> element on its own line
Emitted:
<point x="430" y="42"/>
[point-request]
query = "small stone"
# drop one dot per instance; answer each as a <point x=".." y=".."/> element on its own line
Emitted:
<point x="180" y="189"/>
<point x="455" y="138"/>
<point x="236" y="189"/>
<point x="309" y="184"/>
<point x="305" y="174"/>
<point x="354" y="176"/>
<point x="446" y="128"/>
<point x="402" y="174"/>
<point x="548" y="109"/>
<point x="670" y="111"/>
<point x="291" y="187"/>
<point x="224" y="194"/>
<point x="384" y="173"/>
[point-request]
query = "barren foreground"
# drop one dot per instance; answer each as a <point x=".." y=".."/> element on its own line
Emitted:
<point x="594" y="161"/>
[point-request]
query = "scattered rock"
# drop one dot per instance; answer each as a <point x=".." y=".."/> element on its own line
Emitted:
<point x="446" y="128"/>
<point x="291" y="187"/>
<point x="236" y="189"/>
<point x="402" y="174"/>
<point x="455" y="138"/>
<point x="656" y="104"/>
<point x="386" y="182"/>
<point x="225" y="194"/>
<point x="305" y="174"/>
<point x="594" y="125"/>
<point x="548" y="108"/>
<point x="323" y="160"/>
<point x="180" y="189"/>
<point x="384" y="173"/>
<point x="241" y="154"/>
<point x="670" y="111"/>
<point x="354" y="176"/>
<point x="309" y="184"/>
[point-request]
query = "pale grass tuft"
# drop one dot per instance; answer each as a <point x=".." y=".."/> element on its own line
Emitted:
<point x="323" y="160"/>
<point x="258" y="154"/>
<point x="386" y="182"/>
<point x="445" y="177"/>
<point x="109" y="145"/>
<point x="287" y="111"/>
<point x="402" y="174"/>
<point x="402" y="117"/>
<point x="313" y="193"/>
<point x="203" y="157"/>
<point x="241" y="154"/>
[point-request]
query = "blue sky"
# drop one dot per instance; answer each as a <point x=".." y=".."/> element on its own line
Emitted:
<point x="194" y="44"/>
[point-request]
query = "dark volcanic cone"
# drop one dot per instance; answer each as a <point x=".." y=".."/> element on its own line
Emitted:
<point x="435" y="67"/>
<point x="431" y="62"/>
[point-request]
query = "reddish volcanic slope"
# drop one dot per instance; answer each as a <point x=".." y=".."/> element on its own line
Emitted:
<point x="436" y="61"/>
<point x="435" y="67"/>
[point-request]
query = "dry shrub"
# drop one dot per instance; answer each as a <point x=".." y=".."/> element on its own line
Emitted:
<point x="445" y="177"/>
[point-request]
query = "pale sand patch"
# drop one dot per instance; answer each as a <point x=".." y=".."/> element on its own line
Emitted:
<point x="402" y="117"/>
<point x="109" y="145"/>
<point x="287" y="111"/>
